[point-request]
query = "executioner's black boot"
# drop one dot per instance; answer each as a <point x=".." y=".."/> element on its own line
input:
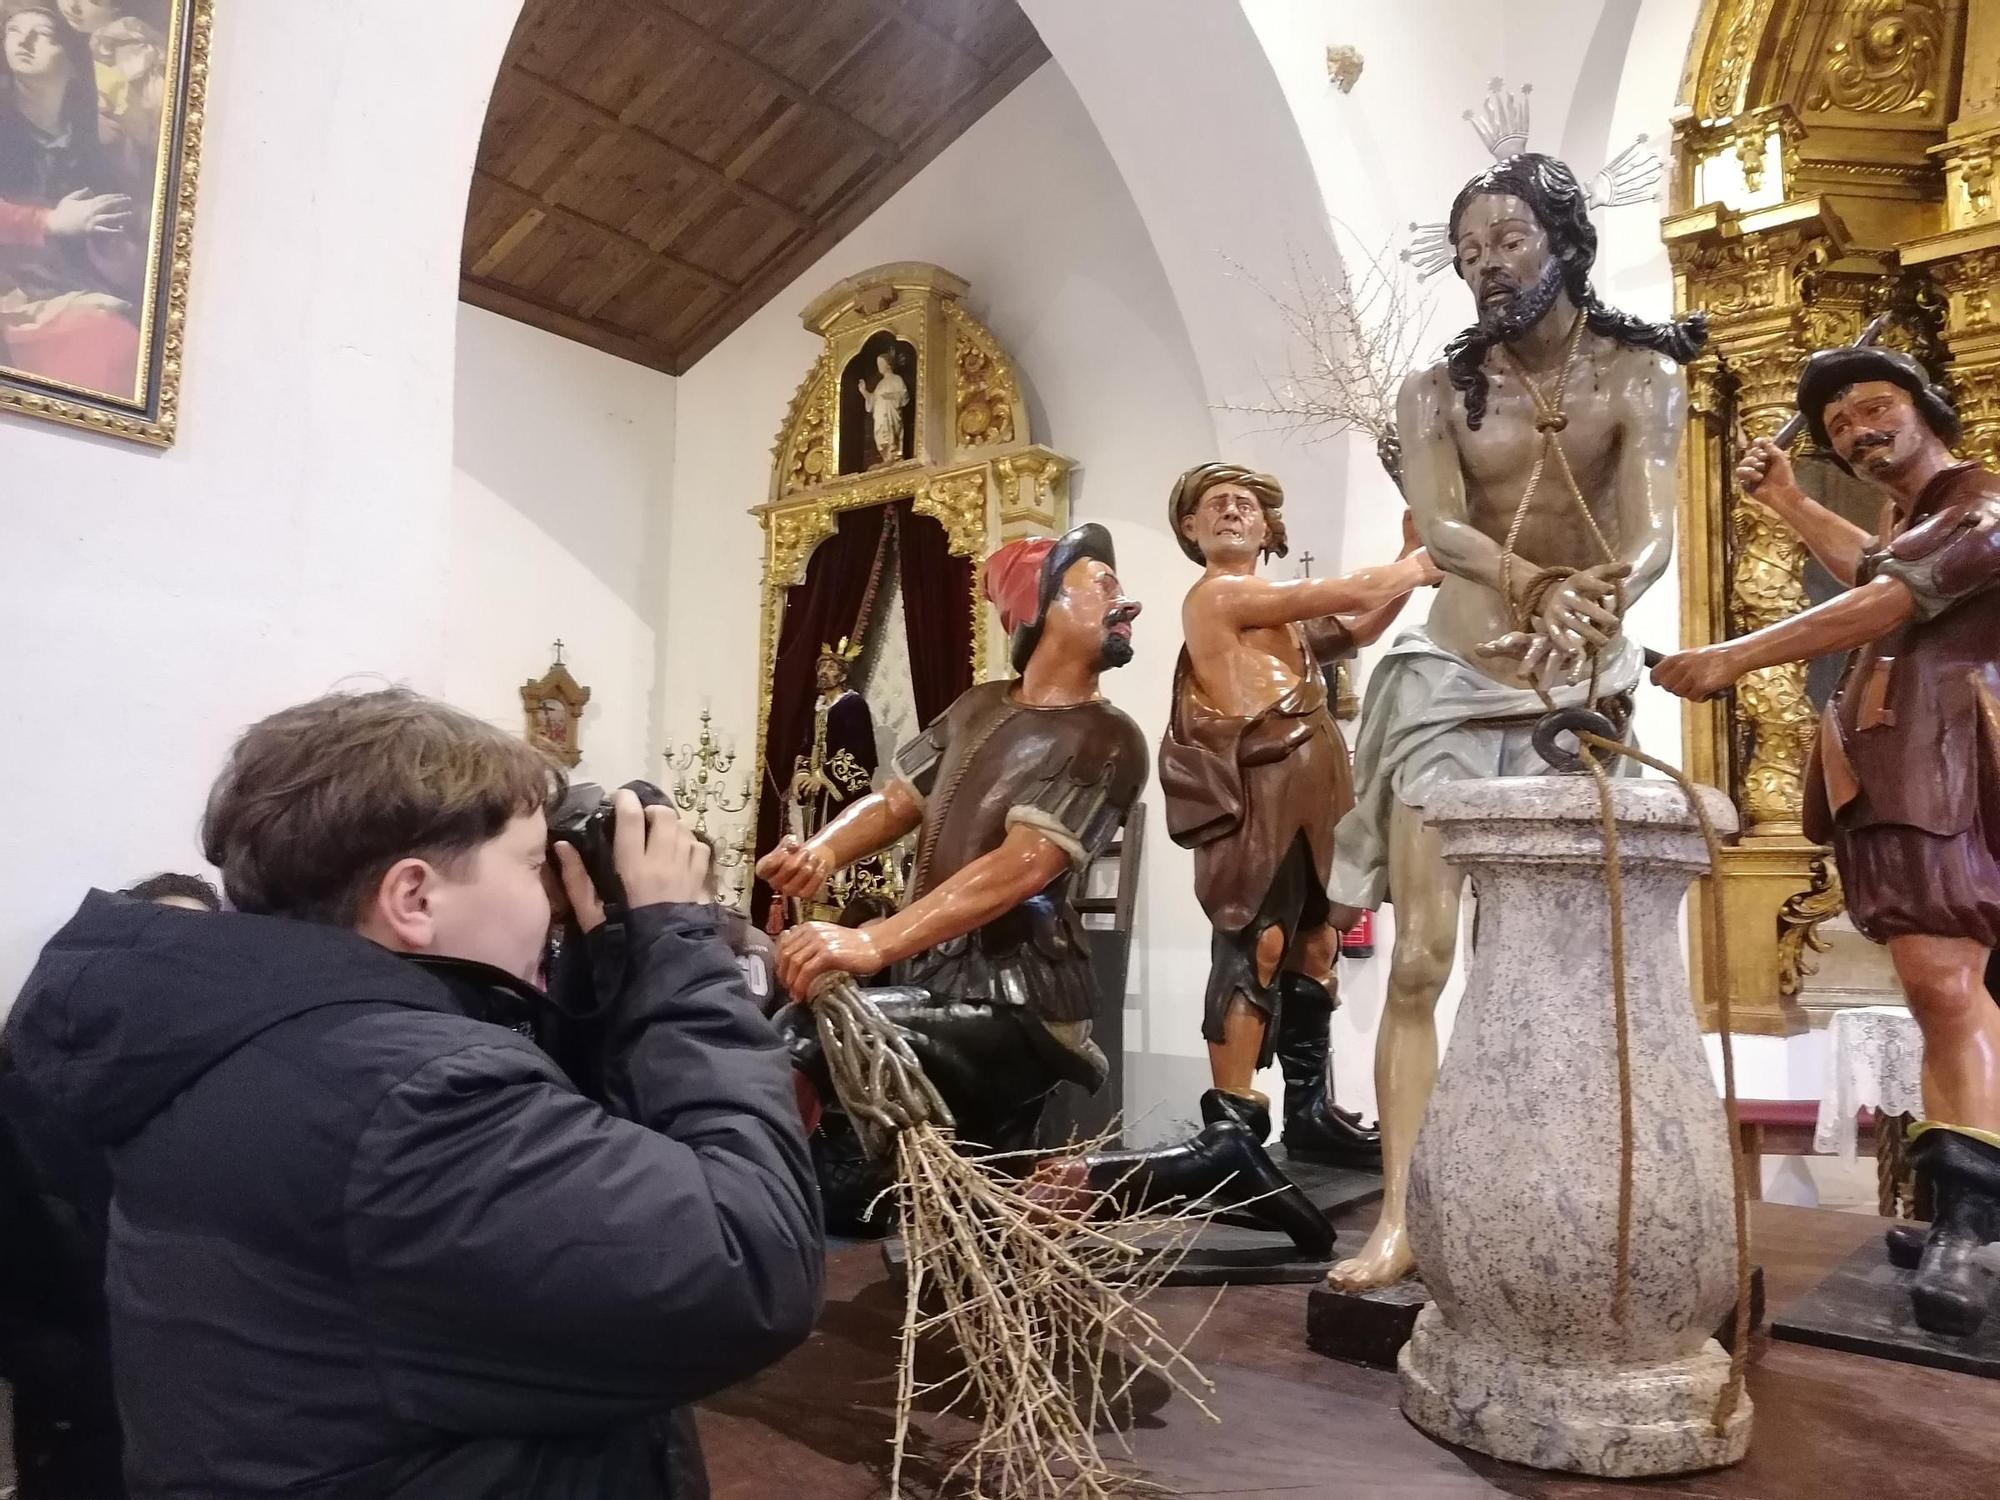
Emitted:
<point x="1953" y="1286"/>
<point x="1316" y="1127"/>
<point x="1905" y="1243"/>
<point x="1222" y="1166"/>
<point x="1252" y="1114"/>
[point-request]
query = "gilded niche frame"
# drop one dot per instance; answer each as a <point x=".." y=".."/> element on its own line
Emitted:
<point x="1833" y="160"/>
<point x="974" y="467"/>
<point x="96" y="334"/>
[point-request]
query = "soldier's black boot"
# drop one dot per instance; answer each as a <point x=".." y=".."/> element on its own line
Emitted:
<point x="1905" y="1243"/>
<point x="1315" y="1127"/>
<point x="1220" y="1166"/>
<point x="1252" y="1114"/>
<point x="1953" y="1286"/>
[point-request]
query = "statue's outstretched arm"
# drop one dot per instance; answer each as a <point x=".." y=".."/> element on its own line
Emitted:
<point x="867" y="827"/>
<point x="990" y="886"/>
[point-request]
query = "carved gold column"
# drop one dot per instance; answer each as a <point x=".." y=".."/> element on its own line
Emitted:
<point x="1703" y="560"/>
<point x="1964" y="261"/>
<point x="1820" y="146"/>
<point x="1766" y="585"/>
<point x="1763" y="278"/>
<point x="1034" y="492"/>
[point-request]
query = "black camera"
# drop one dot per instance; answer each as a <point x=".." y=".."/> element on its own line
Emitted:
<point x="585" y="818"/>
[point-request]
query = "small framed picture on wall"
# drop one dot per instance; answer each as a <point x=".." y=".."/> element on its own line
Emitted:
<point x="101" y="111"/>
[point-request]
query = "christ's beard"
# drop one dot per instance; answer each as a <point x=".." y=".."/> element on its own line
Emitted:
<point x="1514" y="318"/>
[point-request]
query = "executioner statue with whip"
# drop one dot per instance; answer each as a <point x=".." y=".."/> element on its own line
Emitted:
<point x="1013" y="790"/>
<point x="1539" y="469"/>
<point x="1905" y="779"/>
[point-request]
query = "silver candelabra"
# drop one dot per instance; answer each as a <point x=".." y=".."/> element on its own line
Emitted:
<point x="701" y="786"/>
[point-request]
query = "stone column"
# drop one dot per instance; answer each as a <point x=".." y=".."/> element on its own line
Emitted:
<point x="1514" y="1188"/>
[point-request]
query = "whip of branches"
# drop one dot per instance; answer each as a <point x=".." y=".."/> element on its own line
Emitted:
<point x="1043" y="1302"/>
<point x="1351" y="340"/>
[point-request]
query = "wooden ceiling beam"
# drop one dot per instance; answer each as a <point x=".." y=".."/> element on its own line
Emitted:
<point x="622" y="124"/>
<point x="765" y="74"/>
<point x="909" y="15"/>
<point x="598" y="300"/>
<point x="855" y="49"/>
<point x="585" y="222"/>
<point x="795" y="255"/>
<point x="509" y="240"/>
<point x="509" y="303"/>
<point x="753" y="150"/>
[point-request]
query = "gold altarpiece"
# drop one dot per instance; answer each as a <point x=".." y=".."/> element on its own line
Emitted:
<point x="1832" y="159"/>
<point x="972" y="463"/>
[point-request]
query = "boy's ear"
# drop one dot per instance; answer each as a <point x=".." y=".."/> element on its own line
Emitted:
<point x="397" y="914"/>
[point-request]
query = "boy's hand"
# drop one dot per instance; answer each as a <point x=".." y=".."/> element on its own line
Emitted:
<point x="585" y="905"/>
<point x="657" y="858"/>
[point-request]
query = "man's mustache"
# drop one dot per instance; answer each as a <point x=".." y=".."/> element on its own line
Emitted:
<point x="1119" y="614"/>
<point x="1869" y="440"/>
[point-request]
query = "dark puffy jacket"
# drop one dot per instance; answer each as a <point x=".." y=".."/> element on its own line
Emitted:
<point x="55" y="1196"/>
<point x="366" y="1243"/>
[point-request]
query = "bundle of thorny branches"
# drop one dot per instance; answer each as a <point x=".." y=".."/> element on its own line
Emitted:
<point x="1352" y="340"/>
<point x="1043" y="1302"/>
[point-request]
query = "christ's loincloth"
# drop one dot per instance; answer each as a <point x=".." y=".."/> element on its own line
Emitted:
<point x="1256" y="799"/>
<point x="1431" y="718"/>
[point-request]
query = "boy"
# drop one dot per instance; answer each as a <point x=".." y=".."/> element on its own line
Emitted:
<point x="367" y="1239"/>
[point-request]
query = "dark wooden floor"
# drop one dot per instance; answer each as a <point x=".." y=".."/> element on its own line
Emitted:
<point x="1828" y="1426"/>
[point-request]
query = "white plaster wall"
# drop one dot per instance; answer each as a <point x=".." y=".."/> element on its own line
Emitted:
<point x="1029" y="208"/>
<point x="153" y="604"/>
<point x="562" y="461"/>
<point x="1187" y="106"/>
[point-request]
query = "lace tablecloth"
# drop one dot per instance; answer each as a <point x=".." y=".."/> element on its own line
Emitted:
<point x="1874" y="1060"/>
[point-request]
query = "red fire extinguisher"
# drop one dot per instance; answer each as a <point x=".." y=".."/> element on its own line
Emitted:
<point x="1359" y="940"/>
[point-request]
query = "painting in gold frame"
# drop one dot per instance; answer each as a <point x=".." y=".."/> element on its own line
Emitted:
<point x="101" y="108"/>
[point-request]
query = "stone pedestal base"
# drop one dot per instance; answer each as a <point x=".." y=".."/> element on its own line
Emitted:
<point x="1620" y="1423"/>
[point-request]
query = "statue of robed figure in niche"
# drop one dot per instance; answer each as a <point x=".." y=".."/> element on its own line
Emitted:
<point x="877" y="401"/>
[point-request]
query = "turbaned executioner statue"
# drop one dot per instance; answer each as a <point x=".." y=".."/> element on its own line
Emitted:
<point x="1539" y="468"/>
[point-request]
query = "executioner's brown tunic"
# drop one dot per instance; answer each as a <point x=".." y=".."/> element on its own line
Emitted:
<point x="1256" y="799"/>
<point x="991" y="763"/>
<point x="1905" y="779"/>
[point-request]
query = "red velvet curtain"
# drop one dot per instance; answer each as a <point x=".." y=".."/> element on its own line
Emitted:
<point x="818" y="612"/>
<point x="937" y="612"/>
